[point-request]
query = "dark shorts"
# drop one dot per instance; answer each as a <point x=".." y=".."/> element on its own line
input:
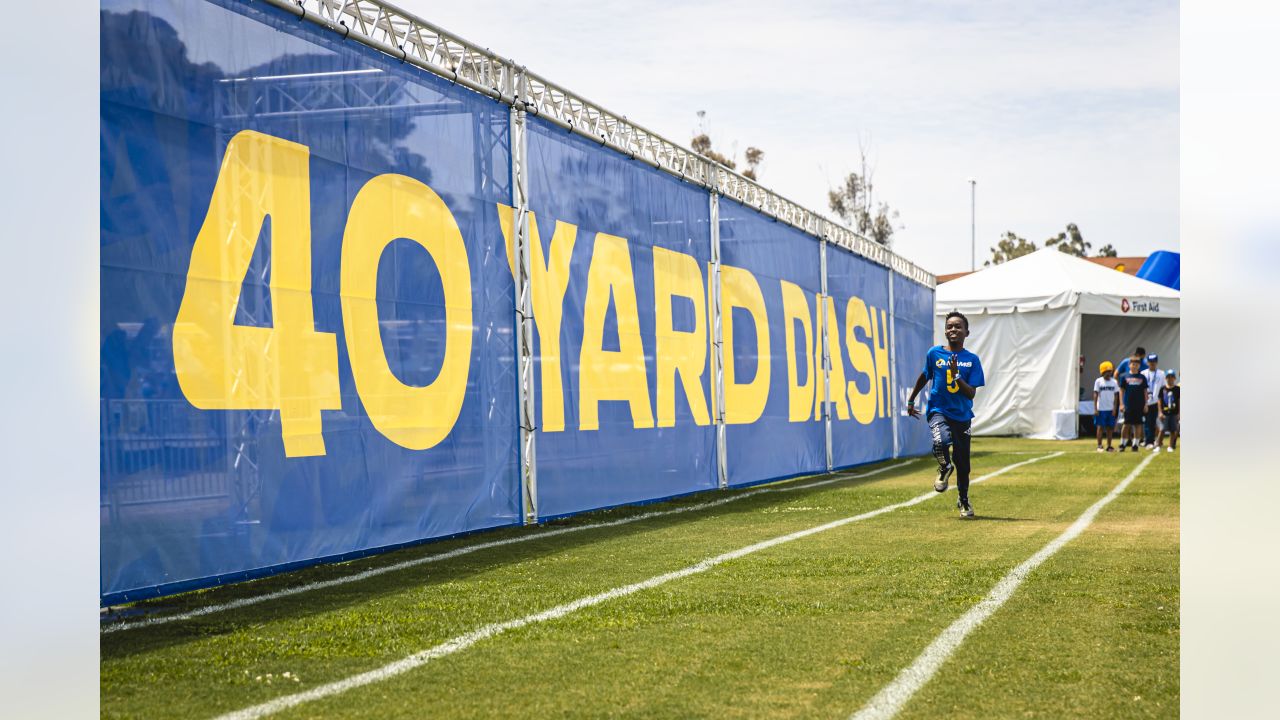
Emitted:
<point x="1134" y="414"/>
<point x="1105" y="419"/>
<point x="1171" y="423"/>
<point x="947" y="431"/>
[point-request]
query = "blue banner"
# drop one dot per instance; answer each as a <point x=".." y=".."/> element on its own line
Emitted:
<point x="770" y="281"/>
<point x="913" y="336"/>
<point x="306" y="316"/>
<point x="857" y="327"/>
<point x="620" y="286"/>
<point x="307" y="312"/>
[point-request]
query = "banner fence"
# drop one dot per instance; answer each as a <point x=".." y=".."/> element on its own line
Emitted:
<point x="349" y="305"/>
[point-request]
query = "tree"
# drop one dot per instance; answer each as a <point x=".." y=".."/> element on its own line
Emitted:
<point x="1071" y="241"/>
<point x="854" y="202"/>
<point x="755" y="156"/>
<point x="1010" y="246"/>
<point x="701" y="144"/>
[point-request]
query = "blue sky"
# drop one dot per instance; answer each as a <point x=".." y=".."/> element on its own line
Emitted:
<point x="1063" y="112"/>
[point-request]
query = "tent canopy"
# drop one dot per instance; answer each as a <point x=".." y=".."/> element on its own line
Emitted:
<point x="1048" y="279"/>
<point x="1041" y="323"/>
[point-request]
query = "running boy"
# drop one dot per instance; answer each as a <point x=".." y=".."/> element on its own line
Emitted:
<point x="1170" y="399"/>
<point x="1106" y="395"/>
<point x="1133" y="403"/>
<point x="955" y="375"/>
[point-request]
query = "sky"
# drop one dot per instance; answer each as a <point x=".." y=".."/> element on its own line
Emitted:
<point x="1061" y="112"/>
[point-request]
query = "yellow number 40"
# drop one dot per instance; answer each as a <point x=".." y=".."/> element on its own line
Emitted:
<point x="290" y="366"/>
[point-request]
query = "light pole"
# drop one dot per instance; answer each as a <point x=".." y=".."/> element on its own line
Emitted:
<point x="973" y="234"/>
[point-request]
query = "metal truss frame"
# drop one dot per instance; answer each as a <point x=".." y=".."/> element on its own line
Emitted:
<point x="893" y="365"/>
<point x="717" y="345"/>
<point x="524" y="304"/>
<point x="403" y="36"/>
<point x="820" y="327"/>
<point x="316" y="94"/>
<point x="242" y="425"/>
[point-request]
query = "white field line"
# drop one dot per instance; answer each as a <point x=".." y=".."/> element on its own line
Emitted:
<point x="466" y="640"/>
<point x="373" y="572"/>
<point x="894" y="696"/>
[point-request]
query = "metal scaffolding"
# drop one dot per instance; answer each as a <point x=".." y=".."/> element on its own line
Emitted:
<point x="820" y="327"/>
<point x="412" y="40"/>
<point x="717" y="346"/>
<point x="523" y="271"/>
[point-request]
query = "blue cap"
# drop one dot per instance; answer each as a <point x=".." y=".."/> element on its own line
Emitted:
<point x="1171" y="372"/>
<point x="1153" y="358"/>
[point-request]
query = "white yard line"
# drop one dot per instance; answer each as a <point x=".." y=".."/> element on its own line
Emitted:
<point x="374" y="572"/>
<point x="895" y="695"/>
<point x="465" y="641"/>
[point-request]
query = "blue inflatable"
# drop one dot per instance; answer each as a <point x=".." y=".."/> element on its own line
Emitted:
<point x="1163" y="267"/>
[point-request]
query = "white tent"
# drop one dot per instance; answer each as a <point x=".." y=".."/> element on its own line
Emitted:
<point x="1041" y="325"/>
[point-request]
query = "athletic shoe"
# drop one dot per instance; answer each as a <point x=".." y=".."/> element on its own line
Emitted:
<point x="1154" y="448"/>
<point x="1100" y="448"/>
<point x="1168" y="449"/>
<point x="966" y="510"/>
<point x="944" y="473"/>
<point x="1122" y="447"/>
<point x="1110" y="449"/>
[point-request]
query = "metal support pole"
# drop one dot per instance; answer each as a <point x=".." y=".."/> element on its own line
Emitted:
<point x="893" y="366"/>
<point x="973" y="224"/>
<point x="717" y="344"/>
<point x="821" y="325"/>
<point x="524" y="305"/>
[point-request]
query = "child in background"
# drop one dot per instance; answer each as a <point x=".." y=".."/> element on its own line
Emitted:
<point x="1170" y="401"/>
<point x="1106" y="395"/>
<point x="1155" y="381"/>
<point x="1133" y="404"/>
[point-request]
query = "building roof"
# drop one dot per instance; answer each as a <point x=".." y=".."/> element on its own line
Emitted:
<point x="1128" y="265"/>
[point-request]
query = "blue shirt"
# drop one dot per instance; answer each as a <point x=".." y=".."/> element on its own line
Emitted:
<point x="1122" y="367"/>
<point x="945" y="397"/>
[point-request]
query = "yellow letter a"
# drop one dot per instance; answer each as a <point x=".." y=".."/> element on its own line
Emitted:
<point x="612" y="374"/>
<point x="831" y="327"/>
<point x="856" y="317"/>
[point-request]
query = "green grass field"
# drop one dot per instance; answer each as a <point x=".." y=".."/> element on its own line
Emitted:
<point x="810" y="628"/>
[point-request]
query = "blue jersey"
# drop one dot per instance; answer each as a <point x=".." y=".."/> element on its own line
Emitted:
<point x="944" y="393"/>
<point x="1122" y="367"/>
